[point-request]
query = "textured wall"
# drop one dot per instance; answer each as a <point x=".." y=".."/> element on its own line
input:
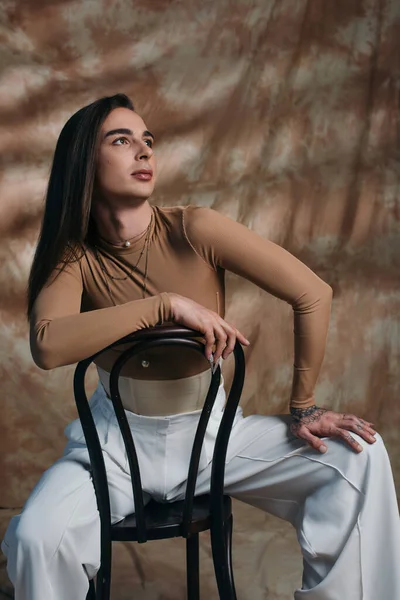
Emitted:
<point x="283" y="115"/>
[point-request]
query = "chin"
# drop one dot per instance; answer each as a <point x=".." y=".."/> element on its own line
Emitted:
<point x="143" y="194"/>
<point x="140" y="194"/>
<point x="129" y="194"/>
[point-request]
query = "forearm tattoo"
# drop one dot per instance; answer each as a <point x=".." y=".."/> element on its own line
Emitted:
<point x="305" y="416"/>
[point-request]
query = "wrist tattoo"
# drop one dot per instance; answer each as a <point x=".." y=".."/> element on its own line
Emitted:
<point x="307" y="415"/>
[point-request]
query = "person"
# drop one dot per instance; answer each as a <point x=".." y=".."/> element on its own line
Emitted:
<point x="108" y="263"/>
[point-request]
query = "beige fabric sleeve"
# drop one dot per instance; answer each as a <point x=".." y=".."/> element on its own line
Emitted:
<point x="61" y="335"/>
<point x="222" y="242"/>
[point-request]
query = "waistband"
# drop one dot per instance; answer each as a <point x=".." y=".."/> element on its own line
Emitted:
<point x="173" y="400"/>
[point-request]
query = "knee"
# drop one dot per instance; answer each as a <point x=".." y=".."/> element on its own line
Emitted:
<point x="360" y="469"/>
<point x="374" y="462"/>
<point x="31" y="535"/>
<point x="376" y="450"/>
<point x="27" y="533"/>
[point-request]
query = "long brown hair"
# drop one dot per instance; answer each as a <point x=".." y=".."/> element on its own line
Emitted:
<point x="66" y="220"/>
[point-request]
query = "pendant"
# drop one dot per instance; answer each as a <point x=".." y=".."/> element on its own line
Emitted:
<point x="127" y="244"/>
<point x="145" y="363"/>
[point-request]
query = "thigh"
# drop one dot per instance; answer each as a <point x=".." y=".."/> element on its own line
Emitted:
<point x="268" y="467"/>
<point x="114" y="455"/>
<point x="65" y="497"/>
<point x="267" y="440"/>
<point x="62" y="511"/>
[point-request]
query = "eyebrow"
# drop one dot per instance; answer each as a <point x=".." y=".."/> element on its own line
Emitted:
<point x="146" y="133"/>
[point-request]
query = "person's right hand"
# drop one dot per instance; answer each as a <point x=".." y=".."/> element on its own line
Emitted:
<point x="216" y="330"/>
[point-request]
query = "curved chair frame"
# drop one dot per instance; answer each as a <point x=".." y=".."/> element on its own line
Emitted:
<point x="218" y="505"/>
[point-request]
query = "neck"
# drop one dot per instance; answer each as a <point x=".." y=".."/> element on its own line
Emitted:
<point x="117" y="224"/>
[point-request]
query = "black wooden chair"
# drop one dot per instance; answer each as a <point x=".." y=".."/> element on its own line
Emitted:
<point x="157" y="521"/>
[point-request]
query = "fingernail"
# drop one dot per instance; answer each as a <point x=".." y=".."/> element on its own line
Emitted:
<point x="323" y="449"/>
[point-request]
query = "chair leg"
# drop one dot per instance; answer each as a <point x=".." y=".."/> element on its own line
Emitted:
<point x="103" y="583"/>
<point x="192" y="567"/>
<point x="221" y="544"/>
<point x="91" y="595"/>
<point x="231" y="582"/>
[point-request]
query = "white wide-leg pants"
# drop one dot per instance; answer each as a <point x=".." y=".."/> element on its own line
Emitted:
<point x="342" y="504"/>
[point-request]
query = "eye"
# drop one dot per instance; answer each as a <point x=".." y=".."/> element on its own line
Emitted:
<point x="119" y="139"/>
<point x="149" y="143"/>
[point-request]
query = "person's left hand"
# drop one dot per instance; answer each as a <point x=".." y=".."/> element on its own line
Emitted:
<point x="312" y="423"/>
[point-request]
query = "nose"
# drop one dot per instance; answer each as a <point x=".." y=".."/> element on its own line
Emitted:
<point x="144" y="151"/>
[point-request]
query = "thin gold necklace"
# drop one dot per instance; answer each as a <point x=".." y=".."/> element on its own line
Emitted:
<point x="126" y="243"/>
<point x="106" y="274"/>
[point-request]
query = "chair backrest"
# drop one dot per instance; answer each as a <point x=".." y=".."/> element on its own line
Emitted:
<point x="144" y="340"/>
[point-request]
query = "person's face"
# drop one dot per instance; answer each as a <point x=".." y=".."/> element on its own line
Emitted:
<point x="125" y="167"/>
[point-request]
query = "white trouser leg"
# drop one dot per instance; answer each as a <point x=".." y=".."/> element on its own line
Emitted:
<point x="41" y="543"/>
<point x="53" y="546"/>
<point x="342" y="504"/>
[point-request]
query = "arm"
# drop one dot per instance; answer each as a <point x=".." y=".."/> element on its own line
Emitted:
<point x="222" y="242"/>
<point x="227" y="244"/>
<point x="60" y="334"/>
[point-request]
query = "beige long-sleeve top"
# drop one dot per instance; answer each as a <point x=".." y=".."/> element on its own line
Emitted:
<point x="97" y="299"/>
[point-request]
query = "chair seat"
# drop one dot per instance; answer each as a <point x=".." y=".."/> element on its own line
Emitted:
<point x="164" y="520"/>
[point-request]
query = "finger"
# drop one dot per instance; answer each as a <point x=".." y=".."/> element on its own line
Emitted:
<point x="242" y="339"/>
<point x="369" y="429"/>
<point x="349" y="416"/>
<point x="230" y="343"/>
<point x="362" y="432"/>
<point x="366" y="422"/>
<point x="210" y="341"/>
<point x="351" y="420"/>
<point x="345" y="436"/>
<point x="314" y="441"/>
<point x="221" y="339"/>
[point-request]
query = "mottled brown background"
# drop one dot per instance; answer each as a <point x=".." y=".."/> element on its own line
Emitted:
<point x="283" y="115"/>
